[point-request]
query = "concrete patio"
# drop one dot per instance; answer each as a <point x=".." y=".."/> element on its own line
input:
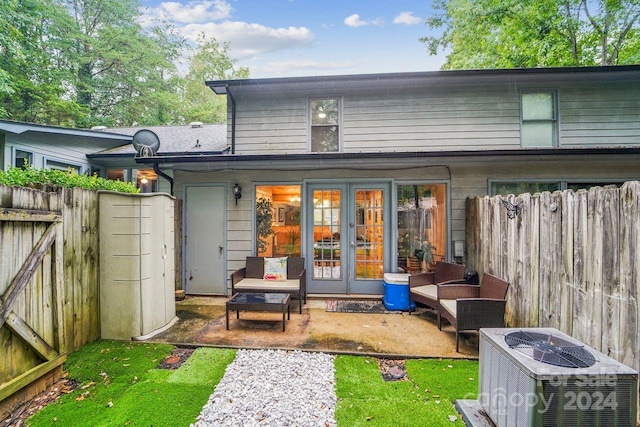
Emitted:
<point x="393" y="334"/>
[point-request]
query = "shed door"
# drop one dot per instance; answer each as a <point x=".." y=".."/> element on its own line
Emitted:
<point x="204" y="240"/>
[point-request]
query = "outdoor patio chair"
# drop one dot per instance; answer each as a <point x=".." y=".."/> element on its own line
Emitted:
<point x="423" y="287"/>
<point x="471" y="307"/>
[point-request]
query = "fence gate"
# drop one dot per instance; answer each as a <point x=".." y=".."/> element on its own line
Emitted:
<point x="32" y="291"/>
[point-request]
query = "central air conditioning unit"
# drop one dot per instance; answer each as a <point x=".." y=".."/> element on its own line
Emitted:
<point x="544" y="377"/>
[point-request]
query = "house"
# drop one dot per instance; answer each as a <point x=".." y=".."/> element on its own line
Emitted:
<point x="356" y="173"/>
<point x="187" y="141"/>
<point x="361" y="173"/>
<point x="107" y="152"/>
<point x="49" y="147"/>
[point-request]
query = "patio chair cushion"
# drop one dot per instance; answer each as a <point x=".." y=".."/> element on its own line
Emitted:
<point x="429" y="291"/>
<point x="450" y="305"/>
<point x="267" y="285"/>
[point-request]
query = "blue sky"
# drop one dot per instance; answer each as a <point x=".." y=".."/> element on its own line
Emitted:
<point x="288" y="38"/>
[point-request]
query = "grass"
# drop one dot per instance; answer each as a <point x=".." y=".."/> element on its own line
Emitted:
<point x="364" y="398"/>
<point x="120" y="385"/>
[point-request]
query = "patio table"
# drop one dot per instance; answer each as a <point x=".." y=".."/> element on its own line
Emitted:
<point x="261" y="301"/>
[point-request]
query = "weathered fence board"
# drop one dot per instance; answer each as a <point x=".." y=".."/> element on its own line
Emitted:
<point x="629" y="273"/>
<point x="48" y="281"/>
<point x="610" y="314"/>
<point x="572" y="259"/>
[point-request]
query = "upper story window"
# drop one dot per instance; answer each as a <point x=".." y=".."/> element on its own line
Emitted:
<point x="324" y="124"/>
<point x="539" y="119"/>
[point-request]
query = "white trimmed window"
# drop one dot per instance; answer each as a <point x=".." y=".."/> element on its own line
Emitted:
<point x="539" y="119"/>
<point x="324" y="123"/>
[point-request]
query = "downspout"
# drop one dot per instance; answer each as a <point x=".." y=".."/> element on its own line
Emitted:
<point x="157" y="170"/>
<point x="233" y="120"/>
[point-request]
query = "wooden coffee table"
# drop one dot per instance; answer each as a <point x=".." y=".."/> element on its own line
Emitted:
<point x="264" y="302"/>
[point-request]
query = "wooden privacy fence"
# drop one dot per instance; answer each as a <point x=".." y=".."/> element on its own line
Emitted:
<point x="49" y="300"/>
<point x="572" y="258"/>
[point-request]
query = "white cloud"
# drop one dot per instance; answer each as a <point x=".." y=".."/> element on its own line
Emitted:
<point x="407" y="18"/>
<point x="354" y="21"/>
<point x="251" y="39"/>
<point x="192" y="12"/>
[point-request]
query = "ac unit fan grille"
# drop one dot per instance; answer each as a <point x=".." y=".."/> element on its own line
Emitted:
<point x="547" y="348"/>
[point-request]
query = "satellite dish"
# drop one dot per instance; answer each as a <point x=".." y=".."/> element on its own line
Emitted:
<point x="146" y="143"/>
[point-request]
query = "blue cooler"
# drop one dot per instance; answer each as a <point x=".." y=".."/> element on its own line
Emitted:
<point x="396" y="292"/>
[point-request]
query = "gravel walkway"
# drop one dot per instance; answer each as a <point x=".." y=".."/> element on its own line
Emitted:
<point x="274" y="388"/>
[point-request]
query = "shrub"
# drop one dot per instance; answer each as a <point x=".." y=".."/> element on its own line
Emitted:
<point x="31" y="177"/>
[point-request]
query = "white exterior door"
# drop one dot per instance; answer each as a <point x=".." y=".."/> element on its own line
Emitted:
<point x="204" y="240"/>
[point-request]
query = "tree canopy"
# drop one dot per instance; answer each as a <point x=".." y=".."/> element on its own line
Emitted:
<point x="210" y="61"/>
<point x="83" y="63"/>
<point x="535" y="33"/>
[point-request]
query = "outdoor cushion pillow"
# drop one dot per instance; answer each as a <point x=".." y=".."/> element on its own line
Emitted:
<point x="275" y="269"/>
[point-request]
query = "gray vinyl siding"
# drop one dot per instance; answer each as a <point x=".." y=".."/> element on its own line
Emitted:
<point x="468" y="179"/>
<point x="600" y="116"/>
<point x="440" y="119"/>
<point x="431" y="121"/>
<point x="60" y="148"/>
<point x="271" y="126"/>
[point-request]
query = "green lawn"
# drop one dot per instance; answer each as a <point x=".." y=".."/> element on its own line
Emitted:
<point x="120" y="385"/>
<point x="364" y="398"/>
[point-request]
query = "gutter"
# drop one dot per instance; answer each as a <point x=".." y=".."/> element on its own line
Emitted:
<point x="223" y="89"/>
<point x="233" y="120"/>
<point x="107" y="156"/>
<point x="157" y="170"/>
<point x="182" y="158"/>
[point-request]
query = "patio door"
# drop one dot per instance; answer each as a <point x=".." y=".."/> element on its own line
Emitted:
<point x="348" y="237"/>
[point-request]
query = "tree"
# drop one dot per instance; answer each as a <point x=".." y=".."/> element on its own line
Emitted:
<point x="210" y="61"/>
<point x="33" y="71"/>
<point x="122" y="72"/>
<point x="535" y="33"/>
<point x="82" y="63"/>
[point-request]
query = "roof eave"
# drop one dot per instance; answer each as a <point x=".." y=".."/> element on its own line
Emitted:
<point x="220" y="157"/>
<point x="484" y="76"/>
<point x="20" y="128"/>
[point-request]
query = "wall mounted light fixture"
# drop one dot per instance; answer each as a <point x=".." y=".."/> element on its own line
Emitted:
<point x="237" y="192"/>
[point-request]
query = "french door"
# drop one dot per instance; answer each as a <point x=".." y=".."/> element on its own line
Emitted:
<point x="349" y="237"/>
